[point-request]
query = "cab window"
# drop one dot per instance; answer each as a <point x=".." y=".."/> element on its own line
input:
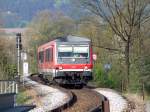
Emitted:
<point x="41" y="57"/>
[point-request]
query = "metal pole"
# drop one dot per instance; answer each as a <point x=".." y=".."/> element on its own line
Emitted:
<point x="18" y="40"/>
<point x="18" y="58"/>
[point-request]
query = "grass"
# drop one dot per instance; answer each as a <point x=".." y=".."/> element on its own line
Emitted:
<point x="21" y="97"/>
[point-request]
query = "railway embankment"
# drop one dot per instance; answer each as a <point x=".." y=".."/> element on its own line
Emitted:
<point x="85" y="99"/>
<point x="147" y="106"/>
<point x="136" y="103"/>
<point x="49" y="98"/>
<point x="117" y="103"/>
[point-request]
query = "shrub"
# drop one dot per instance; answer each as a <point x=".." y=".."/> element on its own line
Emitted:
<point x="108" y="79"/>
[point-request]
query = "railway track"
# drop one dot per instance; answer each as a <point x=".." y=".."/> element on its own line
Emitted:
<point x="86" y="101"/>
<point x="83" y="99"/>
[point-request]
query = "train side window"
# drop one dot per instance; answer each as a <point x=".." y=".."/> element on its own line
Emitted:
<point x="47" y="55"/>
<point x="41" y="56"/>
<point x="51" y="54"/>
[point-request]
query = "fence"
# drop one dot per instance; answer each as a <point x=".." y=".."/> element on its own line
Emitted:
<point x="8" y="86"/>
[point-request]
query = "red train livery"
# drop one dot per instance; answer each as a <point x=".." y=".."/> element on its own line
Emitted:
<point x="66" y="60"/>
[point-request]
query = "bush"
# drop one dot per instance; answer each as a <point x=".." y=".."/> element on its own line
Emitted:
<point x="108" y="79"/>
<point x="144" y="70"/>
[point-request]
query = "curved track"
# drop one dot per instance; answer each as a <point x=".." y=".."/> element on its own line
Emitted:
<point x="83" y="99"/>
<point x="86" y="101"/>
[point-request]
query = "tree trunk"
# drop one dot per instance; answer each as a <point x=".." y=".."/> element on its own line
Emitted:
<point x="127" y="58"/>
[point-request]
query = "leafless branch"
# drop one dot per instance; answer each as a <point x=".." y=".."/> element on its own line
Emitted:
<point x="107" y="48"/>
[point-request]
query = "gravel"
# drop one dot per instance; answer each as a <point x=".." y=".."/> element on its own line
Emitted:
<point x="147" y="106"/>
<point x="116" y="101"/>
<point x="50" y="98"/>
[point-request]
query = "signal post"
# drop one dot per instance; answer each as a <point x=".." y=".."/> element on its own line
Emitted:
<point x="19" y="48"/>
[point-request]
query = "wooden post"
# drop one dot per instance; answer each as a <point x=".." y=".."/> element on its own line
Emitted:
<point x="13" y="86"/>
<point x="1" y="87"/>
<point x="143" y="90"/>
<point x="105" y="106"/>
<point x="5" y="87"/>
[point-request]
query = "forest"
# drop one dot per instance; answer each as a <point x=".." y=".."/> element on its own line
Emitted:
<point x="119" y="32"/>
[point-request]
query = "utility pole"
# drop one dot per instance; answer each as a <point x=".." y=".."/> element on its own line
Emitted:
<point x="19" y="47"/>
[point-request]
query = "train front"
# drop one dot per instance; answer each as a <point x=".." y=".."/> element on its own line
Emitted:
<point x="74" y="62"/>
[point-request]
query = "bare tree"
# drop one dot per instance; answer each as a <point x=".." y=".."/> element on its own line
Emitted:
<point x="125" y="17"/>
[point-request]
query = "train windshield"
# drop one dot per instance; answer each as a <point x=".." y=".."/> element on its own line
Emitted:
<point x="80" y="51"/>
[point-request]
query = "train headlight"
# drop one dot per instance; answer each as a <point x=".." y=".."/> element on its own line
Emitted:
<point x="85" y="68"/>
<point x="60" y="67"/>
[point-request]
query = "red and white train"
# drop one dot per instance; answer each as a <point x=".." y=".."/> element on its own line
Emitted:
<point x="67" y="60"/>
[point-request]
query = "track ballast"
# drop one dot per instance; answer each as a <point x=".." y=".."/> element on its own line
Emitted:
<point x="83" y="99"/>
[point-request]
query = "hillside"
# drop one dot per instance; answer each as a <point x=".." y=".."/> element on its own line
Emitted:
<point x="17" y="13"/>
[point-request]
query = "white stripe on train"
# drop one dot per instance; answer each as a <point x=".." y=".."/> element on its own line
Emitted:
<point x="53" y="70"/>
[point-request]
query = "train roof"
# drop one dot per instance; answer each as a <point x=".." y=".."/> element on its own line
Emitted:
<point x="68" y="39"/>
<point x="71" y="38"/>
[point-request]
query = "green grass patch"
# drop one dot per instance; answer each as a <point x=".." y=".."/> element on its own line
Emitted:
<point x="21" y="97"/>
